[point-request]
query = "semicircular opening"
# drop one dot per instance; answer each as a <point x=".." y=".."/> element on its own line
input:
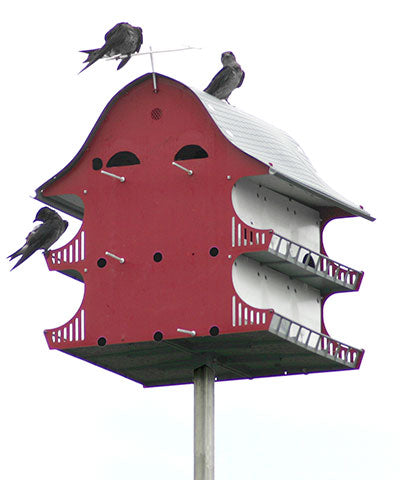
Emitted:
<point x="189" y="152"/>
<point x="123" y="159"/>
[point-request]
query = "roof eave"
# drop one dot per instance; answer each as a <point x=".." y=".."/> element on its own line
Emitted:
<point x="334" y="202"/>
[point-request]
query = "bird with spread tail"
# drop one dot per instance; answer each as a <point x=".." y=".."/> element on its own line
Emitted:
<point x="122" y="39"/>
<point x="42" y="236"/>
<point x="231" y="76"/>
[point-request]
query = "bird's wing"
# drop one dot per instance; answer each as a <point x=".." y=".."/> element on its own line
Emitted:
<point x="241" y="80"/>
<point x="136" y="37"/>
<point x="116" y="31"/>
<point x="140" y="34"/>
<point x="123" y="62"/>
<point x="124" y="34"/>
<point x="132" y="43"/>
<point x="64" y="227"/>
<point x="219" y="80"/>
<point x="35" y="241"/>
<point x="32" y="233"/>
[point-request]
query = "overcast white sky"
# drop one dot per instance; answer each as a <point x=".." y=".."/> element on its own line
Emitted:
<point x="325" y="72"/>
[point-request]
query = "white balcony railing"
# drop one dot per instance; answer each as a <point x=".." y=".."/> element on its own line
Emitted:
<point x="300" y="255"/>
<point x="315" y="341"/>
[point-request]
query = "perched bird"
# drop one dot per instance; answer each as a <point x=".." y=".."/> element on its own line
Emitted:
<point x="42" y="236"/>
<point x="231" y="76"/>
<point x="308" y="260"/>
<point x="122" y="39"/>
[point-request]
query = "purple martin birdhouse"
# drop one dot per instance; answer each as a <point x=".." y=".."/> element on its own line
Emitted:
<point x="201" y="243"/>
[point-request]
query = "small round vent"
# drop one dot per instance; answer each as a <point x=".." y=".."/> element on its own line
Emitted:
<point x="156" y="113"/>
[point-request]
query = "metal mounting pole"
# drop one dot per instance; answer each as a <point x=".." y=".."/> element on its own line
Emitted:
<point x="204" y="378"/>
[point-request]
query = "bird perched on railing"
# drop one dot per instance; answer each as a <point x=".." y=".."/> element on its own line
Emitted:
<point x="42" y="236"/>
<point x="231" y="76"/>
<point x="122" y="39"/>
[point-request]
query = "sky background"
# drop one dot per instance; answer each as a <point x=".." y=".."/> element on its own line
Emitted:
<point x="325" y="72"/>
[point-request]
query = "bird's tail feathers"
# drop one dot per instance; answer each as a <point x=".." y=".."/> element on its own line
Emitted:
<point x="93" y="56"/>
<point x="24" y="257"/>
<point x="89" y="53"/>
<point x="16" y="253"/>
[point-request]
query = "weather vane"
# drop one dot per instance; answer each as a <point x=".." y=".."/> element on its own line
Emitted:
<point x="151" y="52"/>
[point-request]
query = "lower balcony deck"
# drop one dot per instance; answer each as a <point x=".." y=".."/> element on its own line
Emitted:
<point x="286" y="348"/>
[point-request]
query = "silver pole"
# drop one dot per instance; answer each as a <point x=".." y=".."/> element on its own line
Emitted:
<point x="204" y="378"/>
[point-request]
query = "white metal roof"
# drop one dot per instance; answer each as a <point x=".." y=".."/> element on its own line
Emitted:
<point x="275" y="148"/>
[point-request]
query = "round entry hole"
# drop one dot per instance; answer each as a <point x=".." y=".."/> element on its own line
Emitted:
<point x="214" y="251"/>
<point x="158" y="336"/>
<point x="101" y="342"/>
<point x="214" y="331"/>
<point x="101" y="262"/>
<point x="157" y="257"/>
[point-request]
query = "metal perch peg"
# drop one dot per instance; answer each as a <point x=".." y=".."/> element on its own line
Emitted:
<point x="121" y="179"/>
<point x="120" y="259"/>
<point x="189" y="172"/>
<point x="192" y="333"/>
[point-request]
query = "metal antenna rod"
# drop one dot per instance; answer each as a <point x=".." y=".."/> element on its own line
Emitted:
<point x="153" y="72"/>
<point x="204" y="378"/>
<point x="151" y="52"/>
<point x="120" y="57"/>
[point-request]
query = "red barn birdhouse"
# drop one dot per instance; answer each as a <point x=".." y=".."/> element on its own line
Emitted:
<point x="201" y="242"/>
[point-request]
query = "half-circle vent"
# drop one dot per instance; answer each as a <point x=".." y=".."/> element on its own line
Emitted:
<point x="189" y="152"/>
<point x="122" y="159"/>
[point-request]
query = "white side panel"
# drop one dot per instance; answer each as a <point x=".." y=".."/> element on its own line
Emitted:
<point x="260" y="207"/>
<point x="262" y="287"/>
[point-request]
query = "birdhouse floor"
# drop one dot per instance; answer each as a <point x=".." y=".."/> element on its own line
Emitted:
<point x="280" y="351"/>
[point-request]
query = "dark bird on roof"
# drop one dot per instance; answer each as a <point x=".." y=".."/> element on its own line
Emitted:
<point x="231" y="76"/>
<point x="122" y="39"/>
<point x="42" y="236"/>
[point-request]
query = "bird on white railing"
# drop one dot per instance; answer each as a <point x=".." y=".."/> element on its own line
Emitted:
<point x="42" y="236"/>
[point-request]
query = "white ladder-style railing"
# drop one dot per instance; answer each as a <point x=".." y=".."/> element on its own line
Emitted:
<point x="314" y="261"/>
<point x="315" y="341"/>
